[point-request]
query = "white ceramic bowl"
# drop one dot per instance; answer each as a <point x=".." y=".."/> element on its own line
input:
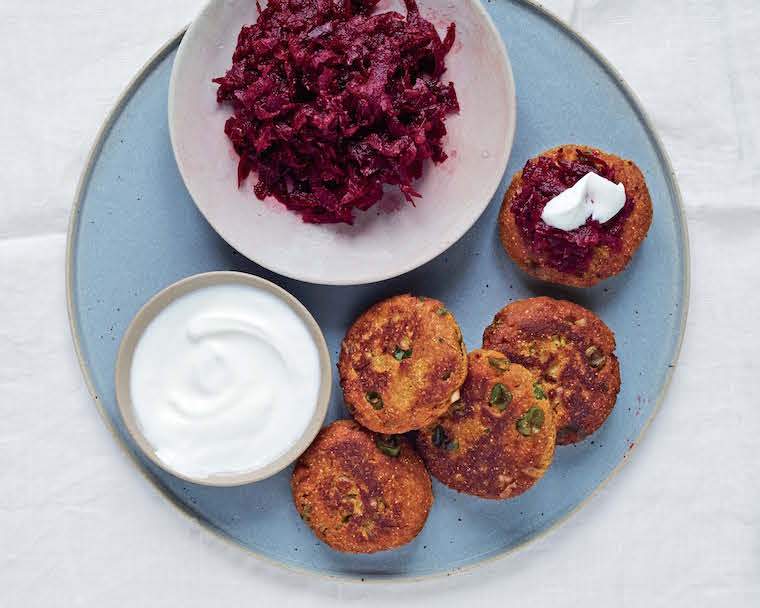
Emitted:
<point x="162" y="300"/>
<point x="391" y="238"/>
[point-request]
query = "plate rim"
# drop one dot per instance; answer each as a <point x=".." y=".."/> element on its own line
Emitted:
<point x="70" y="274"/>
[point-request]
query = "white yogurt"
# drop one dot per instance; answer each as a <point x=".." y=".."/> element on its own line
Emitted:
<point x="593" y="196"/>
<point x="225" y="380"/>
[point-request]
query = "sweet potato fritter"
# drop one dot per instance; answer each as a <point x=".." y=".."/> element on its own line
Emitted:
<point x="361" y="492"/>
<point x="400" y="364"/>
<point x="605" y="261"/>
<point x="498" y="440"/>
<point x="571" y="350"/>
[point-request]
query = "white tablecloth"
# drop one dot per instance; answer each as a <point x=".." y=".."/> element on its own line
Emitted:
<point x="679" y="526"/>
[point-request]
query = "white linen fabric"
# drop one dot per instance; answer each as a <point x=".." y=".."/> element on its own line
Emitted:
<point x="679" y="526"/>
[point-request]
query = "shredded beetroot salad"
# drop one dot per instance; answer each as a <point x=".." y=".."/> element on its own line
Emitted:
<point x="543" y="179"/>
<point x="332" y="102"/>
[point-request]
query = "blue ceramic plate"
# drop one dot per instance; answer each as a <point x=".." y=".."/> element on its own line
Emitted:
<point x="135" y="230"/>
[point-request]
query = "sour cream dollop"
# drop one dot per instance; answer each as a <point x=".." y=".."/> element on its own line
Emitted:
<point x="593" y="196"/>
<point x="225" y="380"/>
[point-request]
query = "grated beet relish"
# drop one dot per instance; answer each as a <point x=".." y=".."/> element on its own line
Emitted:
<point x="566" y="251"/>
<point x="331" y="103"/>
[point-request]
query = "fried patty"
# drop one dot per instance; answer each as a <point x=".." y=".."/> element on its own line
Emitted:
<point x="400" y="364"/>
<point x="361" y="492"/>
<point x="498" y="440"/>
<point x="605" y="261"/>
<point x="571" y="351"/>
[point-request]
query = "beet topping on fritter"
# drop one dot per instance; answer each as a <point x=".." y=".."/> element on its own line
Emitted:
<point x="545" y="177"/>
<point x="331" y="103"/>
<point x="591" y="253"/>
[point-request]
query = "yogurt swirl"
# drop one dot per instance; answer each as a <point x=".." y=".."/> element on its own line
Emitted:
<point x="224" y="380"/>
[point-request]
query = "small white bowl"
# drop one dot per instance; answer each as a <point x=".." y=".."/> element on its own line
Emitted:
<point x="391" y="238"/>
<point x="160" y="302"/>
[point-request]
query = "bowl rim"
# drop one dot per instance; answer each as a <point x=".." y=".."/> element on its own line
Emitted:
<point x="401" y="266"/>
<point x="157" y="304"/>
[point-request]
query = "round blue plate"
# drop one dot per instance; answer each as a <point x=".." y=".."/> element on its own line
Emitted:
<point x="135" y="230"/>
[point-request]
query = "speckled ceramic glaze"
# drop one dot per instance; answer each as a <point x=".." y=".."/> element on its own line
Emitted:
<point x="135" y="230"/>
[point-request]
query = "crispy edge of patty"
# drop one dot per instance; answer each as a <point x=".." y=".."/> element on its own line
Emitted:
<point x="491" y="458"/>
<point x="357" y="499"/>
<point x="583" y="395"/>
<point x="605" y="262"/>
<point x="414" y="391"/>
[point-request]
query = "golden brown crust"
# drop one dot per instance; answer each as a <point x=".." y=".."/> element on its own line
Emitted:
<point x="605" y="262"/>
<point x="571" y="350"/>
<point x="356" y="498"/>
<point x="476" y="448"/>
<point x="389" y="392"/>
